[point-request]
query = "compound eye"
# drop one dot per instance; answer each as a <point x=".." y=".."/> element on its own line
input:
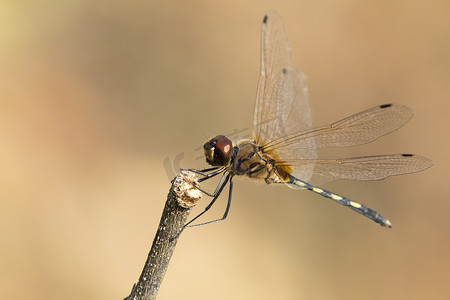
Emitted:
<point x="218" y="150"/>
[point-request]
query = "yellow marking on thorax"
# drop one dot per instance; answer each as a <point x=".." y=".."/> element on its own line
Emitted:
<point x="283" y="169"/>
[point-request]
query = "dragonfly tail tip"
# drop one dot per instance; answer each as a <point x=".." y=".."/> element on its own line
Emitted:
<point x="388" y="224"/>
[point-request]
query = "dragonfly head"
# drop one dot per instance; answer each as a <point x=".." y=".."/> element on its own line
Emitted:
<point x="218" y="151"/>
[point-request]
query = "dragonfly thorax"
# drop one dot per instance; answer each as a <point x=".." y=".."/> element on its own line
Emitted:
<point x="218" y="151"/>
<point x="253" y="162"/>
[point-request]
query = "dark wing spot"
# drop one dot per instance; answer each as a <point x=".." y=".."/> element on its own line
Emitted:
<point x="284" y="71"/>
<point x="265" y="19"/>
<point x="407" y="155"/>
<point x="385" y="105"/>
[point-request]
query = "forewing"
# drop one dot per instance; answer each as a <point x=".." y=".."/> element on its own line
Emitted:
<point x="282" y="103"/>
<point x="358" y="129"/>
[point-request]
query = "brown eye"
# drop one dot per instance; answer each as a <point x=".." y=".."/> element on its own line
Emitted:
<point x="218" y="150"/>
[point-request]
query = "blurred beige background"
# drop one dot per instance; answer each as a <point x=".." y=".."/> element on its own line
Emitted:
<point x="96" y="95"/>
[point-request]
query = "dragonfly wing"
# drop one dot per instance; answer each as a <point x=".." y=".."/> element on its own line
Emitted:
<point x="282" y="102"/>
<point x="362" y="168"/>
<point x="358" y="129"/>
<point x="282" y="120"/>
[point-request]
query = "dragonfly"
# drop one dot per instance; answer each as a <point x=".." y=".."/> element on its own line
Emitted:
<point x="283" y="148"/>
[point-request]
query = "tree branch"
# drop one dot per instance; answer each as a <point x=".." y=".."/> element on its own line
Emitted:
<point x="181" y="198"/>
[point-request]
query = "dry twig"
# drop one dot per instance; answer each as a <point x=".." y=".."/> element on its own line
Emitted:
<point x="181" y="198"/>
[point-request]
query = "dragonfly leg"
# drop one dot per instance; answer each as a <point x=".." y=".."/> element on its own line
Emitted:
<point x="202" y="172"/>
<point x="219" y="189"/>
<point x="227" y="209"/>
<point x="217" y="171"/>
<point x="208" y="176"/>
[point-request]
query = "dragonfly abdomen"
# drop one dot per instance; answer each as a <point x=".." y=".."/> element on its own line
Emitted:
<point x="356" y="206"/>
